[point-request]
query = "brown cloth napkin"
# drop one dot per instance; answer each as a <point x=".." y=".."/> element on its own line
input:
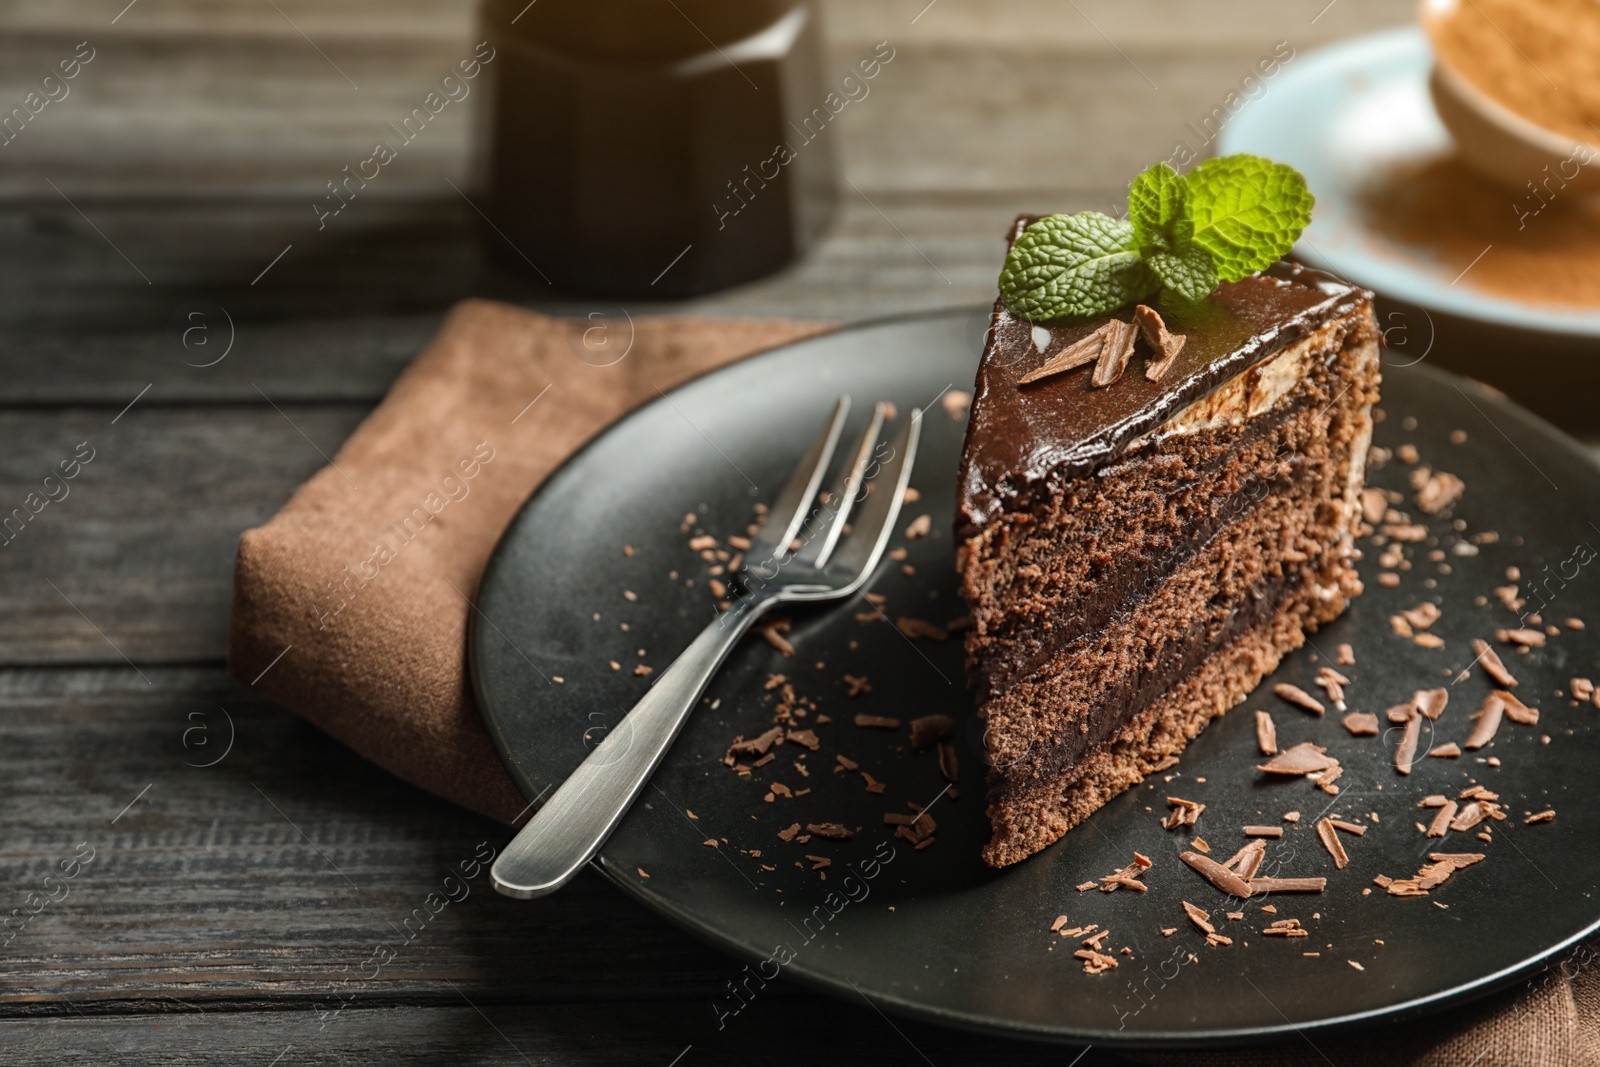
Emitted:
<point x="370" y="645"/>
<point x="350" y="606"/>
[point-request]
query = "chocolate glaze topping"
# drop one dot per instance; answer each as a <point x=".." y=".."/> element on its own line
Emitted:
<point x="1059" y="428"/>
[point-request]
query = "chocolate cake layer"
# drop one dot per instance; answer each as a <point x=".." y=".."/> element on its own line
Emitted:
<point x="1135" y="521"/>
<point x="1036" y="812"/>
<point x="1094" y="682"/>
<point x="1061" y="428"/>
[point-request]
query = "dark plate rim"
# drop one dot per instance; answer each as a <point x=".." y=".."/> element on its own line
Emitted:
<point x="969" y="1021"/>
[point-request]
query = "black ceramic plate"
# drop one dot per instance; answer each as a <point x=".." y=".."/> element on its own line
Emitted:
<point x="934" y="933"/>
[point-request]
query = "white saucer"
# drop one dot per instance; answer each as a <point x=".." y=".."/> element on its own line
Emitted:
<point x="1344" y="113"/>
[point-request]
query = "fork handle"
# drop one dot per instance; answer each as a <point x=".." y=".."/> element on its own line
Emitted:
<point x="569" y="829"/>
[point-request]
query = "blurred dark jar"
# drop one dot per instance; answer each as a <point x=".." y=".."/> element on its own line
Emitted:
<point x="623" y="132"/>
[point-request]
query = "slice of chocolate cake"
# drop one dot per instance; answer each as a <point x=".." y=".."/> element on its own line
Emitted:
<point x="1143" y="540"/>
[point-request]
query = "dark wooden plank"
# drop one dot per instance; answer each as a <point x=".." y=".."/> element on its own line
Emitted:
<point x="137" y="559"/>
<point x="270" y="877"/>
<point x="949" y="145"/>
<point x="778" y="1028"/>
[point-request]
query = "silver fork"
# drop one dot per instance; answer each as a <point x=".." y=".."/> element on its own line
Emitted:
<point x="569" y="829"/>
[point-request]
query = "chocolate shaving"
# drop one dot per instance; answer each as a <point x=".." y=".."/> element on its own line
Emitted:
<point x="1075" y="355"/>
<point x="1217" y="874"/>
<point x="1266" y="734"/>
<point x="1441" y="819"/>
<point x="1332" y="682"/>
<point x="1251" y="861"/>
<point x="756" y="745"/>
<point x="1201" y="919"/>
<point x="1094" y="962"/>
<point x="1430" y="702"/>
<point x="1422" y="616"/>
<point x="1516" y="710"/>
<point x="948" y="765"/>
<point x="1488" y="717"/>
<point x="828" y="829"/>
<point x="1524" y="638"/>
<point x="1164" y="343"/>
<point x="1299" y="697"/>
<point x="915" y="628"/>
<point x="878" y="722"/>
<point x="1111" y="881"/>
<point x="1548" y="815"/>
<point x="1348" y="827"/>
<point x="1491" y="663"/>
<point x="930" y="729"/>
<point x="1439" y="491"/>
<point x="1263" y="831"/>
<point x="1234" y="862"/>
<point x="1407" y="750"/>
<point x="1472" y="813"/>
<point x="788" y="835"/>
<point x="1184" y="813"/>
<point x="1286" y="928"/>
<point x="805" y="738"/>
<point x="1288" y="885"/>
<point x="1303" y="758"/>
<point x="1128" y="876"/>
<point x="772" y="630"/>
<point x="1330" y="841"/>
<point x="1361" y="723"/>
<point x="1443" y="865"/>
<point x="1448" y="750"/>
<point x="1115" y="354"/>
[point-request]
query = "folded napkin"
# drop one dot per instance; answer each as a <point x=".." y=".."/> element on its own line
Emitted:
<point x="350" y="607"/>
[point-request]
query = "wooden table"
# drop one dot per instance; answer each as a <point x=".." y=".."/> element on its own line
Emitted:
<point x="228" y="910"/>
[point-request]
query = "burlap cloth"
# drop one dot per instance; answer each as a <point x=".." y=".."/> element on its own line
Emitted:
<point x="350" y="606"/>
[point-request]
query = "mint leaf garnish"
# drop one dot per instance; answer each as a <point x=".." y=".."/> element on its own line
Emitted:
<point x="1155" y="202"/>
<point x="1072" y="266"/>
<point x="1246" y="211"/>
<point x="1189" y="274"/>
<point x="1227" y="219"/>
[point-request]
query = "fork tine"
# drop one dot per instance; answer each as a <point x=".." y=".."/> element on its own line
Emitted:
<point x="842" y="496"/>
<point x="875" y="523"/>
<point x="789" y="510"/>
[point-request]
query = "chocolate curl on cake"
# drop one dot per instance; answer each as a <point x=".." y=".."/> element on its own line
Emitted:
<point x="1165" y="344"/>
<point x="1115" y="354"/>
<point x="1075" y="355"/>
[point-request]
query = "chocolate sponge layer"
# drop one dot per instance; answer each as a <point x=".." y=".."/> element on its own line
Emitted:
<point x="1117" y="613"/>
